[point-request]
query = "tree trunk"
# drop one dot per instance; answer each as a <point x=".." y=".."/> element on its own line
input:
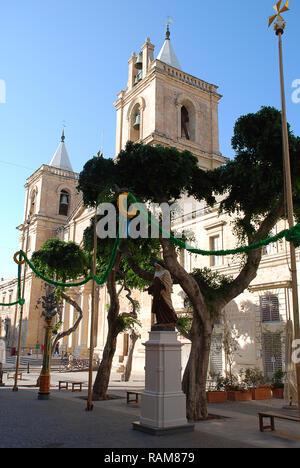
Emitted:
<point x="133" y="339"/>
<point x="195" y="375"/>
<point x="114" y="328"/>
<point x="104" y="371"/>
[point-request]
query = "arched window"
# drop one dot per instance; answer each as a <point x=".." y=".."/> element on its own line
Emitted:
<point x="32" y="206"/>
<point x="64" y="203"/>
<point x="185" y="123"/>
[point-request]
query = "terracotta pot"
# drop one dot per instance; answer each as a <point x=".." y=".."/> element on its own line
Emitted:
<point x="216" y="397"/>
<point x="278" y="393"/>
<point x="239" y="396"/>
<point x="261" y="394"/>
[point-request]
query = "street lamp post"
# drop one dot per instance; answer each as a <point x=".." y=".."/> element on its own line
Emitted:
<point x="279" y="28"/>
<point x="15" y="387"/>
<point x="51" y="306"/>
<point x="44" y="392"/>
<point x="90" y="405"/>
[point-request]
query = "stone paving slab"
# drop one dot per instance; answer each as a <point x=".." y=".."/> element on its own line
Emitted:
<point x="62" y="422"/>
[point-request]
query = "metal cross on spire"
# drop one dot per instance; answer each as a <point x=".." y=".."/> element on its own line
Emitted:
<point x="278" y="17"/>
<point x="167" y="24"/>
<point x="63" y="132"/>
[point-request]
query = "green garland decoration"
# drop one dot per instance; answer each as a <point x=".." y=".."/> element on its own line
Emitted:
<point x="99" y="281"/>
<point x="291" y="235"/>
<point x="20" y="301"/>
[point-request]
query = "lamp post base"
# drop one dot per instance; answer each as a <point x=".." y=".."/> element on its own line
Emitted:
<point x="44" y="393"/>
<point x="44" y="396"/>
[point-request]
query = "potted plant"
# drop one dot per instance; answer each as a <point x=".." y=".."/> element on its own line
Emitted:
<point x="239" y="392"/>
<point x="254" y="380"/>
<point x="217" y="394"/>
<point x="277" y="384"/>
<point x="235" y="390"/>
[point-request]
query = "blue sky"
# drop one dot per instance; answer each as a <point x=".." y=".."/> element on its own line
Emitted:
<point x="66" y="61"/>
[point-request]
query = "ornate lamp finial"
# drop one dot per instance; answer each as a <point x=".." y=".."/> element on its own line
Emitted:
<point x="280" y="24"/>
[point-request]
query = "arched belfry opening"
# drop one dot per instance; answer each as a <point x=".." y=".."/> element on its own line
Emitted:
<point x="135" y="123"/>
<point x="185" y="123"/>
<point x="64" y="203"/>
<point x="32" y="206"/>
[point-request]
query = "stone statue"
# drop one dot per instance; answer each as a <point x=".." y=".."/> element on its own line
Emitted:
<point x="161" y="290"/>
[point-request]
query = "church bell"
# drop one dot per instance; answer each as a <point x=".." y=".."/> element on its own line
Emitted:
<point x="64" y="200"/>
<point x="139" y="61"/>
<point x="137" y="122"/>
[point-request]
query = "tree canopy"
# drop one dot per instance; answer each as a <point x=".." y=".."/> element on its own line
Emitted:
<point x="61" y="260"/>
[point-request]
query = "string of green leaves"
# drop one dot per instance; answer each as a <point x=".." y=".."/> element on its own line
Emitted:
<point x="291" y="235"/>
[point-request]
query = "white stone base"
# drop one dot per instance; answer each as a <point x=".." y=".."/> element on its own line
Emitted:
<point x="163" y="404"/>
<point x="2" y="350"/>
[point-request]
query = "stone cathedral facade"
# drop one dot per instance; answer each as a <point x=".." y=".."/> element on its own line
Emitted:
<point x="160" y="105"/>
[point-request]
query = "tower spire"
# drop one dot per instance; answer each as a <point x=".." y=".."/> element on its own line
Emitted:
<point x="167" y="54"/>
<point x="61" y="158"/>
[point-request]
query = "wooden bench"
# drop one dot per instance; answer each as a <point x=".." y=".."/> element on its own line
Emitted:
<point x="272" y="417"/>
<point x="135" y="399"/>
<point x="64" y="385"/>
<point x="11" y="375"/>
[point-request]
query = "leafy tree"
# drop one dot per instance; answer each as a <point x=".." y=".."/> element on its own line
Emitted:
<point x="62" y="262"/>
<point x="251" y="187"/>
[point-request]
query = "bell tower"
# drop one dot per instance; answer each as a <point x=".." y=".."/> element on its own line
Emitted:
<point x="51" y="196"/>
<point x="164" y="105"/>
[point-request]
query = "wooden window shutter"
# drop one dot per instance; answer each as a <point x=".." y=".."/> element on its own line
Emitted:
<point x="269" y="306"/>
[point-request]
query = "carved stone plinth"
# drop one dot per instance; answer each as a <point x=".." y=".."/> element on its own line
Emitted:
<point x="163" y="404"/>
<point x="2" y="359"/>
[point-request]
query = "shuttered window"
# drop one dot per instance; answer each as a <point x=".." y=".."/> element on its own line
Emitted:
<point x="269" y="306"/>
<point x="272" y="349"/>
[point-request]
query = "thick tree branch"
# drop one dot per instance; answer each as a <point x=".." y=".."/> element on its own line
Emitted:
<point x="145" y="275"/>
<point x="249" y="271"/>
<point x="188" y="284"/>
<point x="72" y="329"/>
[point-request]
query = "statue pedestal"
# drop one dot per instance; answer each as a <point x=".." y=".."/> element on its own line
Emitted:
<point x="163" y="404"/>
<point x="2" y="359"/>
